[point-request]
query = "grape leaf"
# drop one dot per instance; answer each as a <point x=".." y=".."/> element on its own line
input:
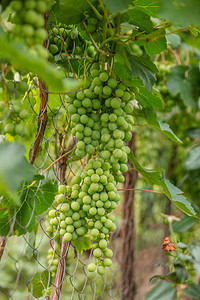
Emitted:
<point x="139" y="19"/>
<point x="192" y="161"/>
<point x="163" y="290"/>
<point x="192" y="290"/>
<point x="14" y="168"/>
<point x="150" y="7"/>
<point x="39" y="283"/>
<point x="151" y="118"/>
<point x="117" y="6"/>
<point x="82" y="243"/>
<point x="153" y="177"/>
<point x="146" y="99"/>
<point x="183" y="12"/>
<point x="184" y="224"/>
<point x="70" y="12"/>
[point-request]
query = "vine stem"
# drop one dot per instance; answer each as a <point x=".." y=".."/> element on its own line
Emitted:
<point x="42" y="118"/>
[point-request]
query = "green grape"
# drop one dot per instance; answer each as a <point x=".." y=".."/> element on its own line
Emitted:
<point x="91" y="267"/>
<point x="67" y="237"/>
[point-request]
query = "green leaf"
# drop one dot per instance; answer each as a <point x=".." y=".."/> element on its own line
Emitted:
<point x="192" y="161"/>
<point x="195" y="251"/>
<point x="139" y="19"/>
<point x="69" y="12"/>
<point x="150" y="7"/>
<point x="14" y="168"/>
<point x="162" y="291"/>
<point x="82" y="243"/>
<point x="184" y="224"/>
<point x="39" y="283"/>
<point x="4" y="223"/>
<point x="183" y="12"/>
<point x="140" y="69"/>
<point x="117" y="6"/>
<point x="192" y="290"/>
<point x="151" y="118"/>
<point x="30" y="247"/>
<point x="146" y="99"/>
<point x="178" y="84"/>
<point x="42" y="198"/>
<point x="192" y="132"/>
<point x="175" y="195"/>
<point x="173" y="40"/>
<point x="153" y="177"/>
<point x="25" y="219"/>
<point x="156" y="47"/>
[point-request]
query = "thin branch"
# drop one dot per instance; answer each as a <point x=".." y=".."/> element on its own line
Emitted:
<point x="2" y="246"/>
<point x="175" y="54"/>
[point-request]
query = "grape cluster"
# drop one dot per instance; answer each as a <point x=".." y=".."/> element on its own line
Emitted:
<point x="28" y="20"/>
<point x="99" y="197"/>
<point x="68" y="214"/>
<point x="67" y="37"/>
<point x="85" y="121"/>
<point x="13" y="115"/>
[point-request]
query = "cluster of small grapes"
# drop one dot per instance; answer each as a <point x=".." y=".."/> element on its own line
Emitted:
<point x="85" y="121"/>
<point x="99" y="197"/>
<point x="68" y="214"/>
<point x="12" y="113"/>
<point x="66" y="37"/>
<point x="28" y="20"/>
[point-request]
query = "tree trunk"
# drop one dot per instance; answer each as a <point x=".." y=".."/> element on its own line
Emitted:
<point x="128" y="287"/>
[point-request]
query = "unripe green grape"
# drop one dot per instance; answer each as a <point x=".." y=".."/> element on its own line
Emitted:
<point x="91" y="267"/>
<point x="103" y="76"/>
<point x="65" y="207"/>
<point x="9" y="128"/>
<point x="107" y="262"/>
<point x="75" y="206"/>
<point x="97" y="82"/>
<point x="67" y="237"/>
<point x="126" y="96"/>
<point x="92" y="211"/>
<point x="41" y="6"/>
<point x="123" y="168"/>
<point x="102" y="244"/>
<point x="98" y="225"/>
<point x="119" y="92"/>
<point x="68" y="220"/>
<point x="80" y="231"/>
<point x="62" y="231"/>
<point x="100" y="270"/>
<point x="60" y="198"/>
<point x="95" y="73"/>
<point x="96" y="104"/>
<point x="115" y="103"/>
<point x="97" y="252"/>
<point x="98" y="90"/>
<point x="95" y="197"/>
<point x="128" y="108"/>
<point x="86" y="102"/>
<point x="52" y="213"/>
<point x="112" y="82"/>
<point x="108" y="253"/>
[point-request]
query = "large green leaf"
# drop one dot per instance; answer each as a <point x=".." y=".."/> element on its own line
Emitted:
<point x="117" y="6"/>
<point x="192" y="161"/>
<point x="150" y="7"/>
<point x="139" y="19"/>
<point x="42" y="198"/>
<point x="153" y="177"/>
<point x="146" y="99"/>
<point x="162" y="291"/>
<point x="14" y="168"/>
<point x="192" y="290"/>
<point x="178" y="84"/>
<point x="183" y="12"/>
<point x="70" y="12"/>
<point x="39" y="283"/>
<point x="151" y="118"/>
<point x="175" y="195"/>
<point x="184" y="224"/>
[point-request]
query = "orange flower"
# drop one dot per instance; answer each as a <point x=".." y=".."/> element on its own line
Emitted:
<point x="168" y="245"/>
